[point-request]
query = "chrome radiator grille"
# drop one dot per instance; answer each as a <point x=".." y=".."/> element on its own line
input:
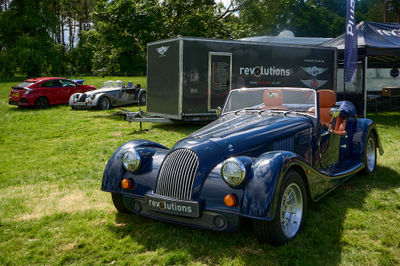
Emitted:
<point x="177" y="174"/>
<point x="82" y="98"/>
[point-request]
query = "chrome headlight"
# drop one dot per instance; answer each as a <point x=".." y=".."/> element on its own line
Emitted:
<point x="131" y="160"/>
<point x="76" y="96"/>
<point x="233" y="172"/>
<point x="92" y="96"/>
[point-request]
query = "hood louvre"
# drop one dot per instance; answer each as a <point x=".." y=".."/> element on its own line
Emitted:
<point x="286" y="144"/>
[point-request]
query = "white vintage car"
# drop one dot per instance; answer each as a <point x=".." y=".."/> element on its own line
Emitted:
<point x="111" y="94"/>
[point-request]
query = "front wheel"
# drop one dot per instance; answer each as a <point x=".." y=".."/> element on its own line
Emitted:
<point x="370" y="154"/>
<point x="104" y="103"/>
<point x="289" y="214"/>
<point x="118" y="203"/>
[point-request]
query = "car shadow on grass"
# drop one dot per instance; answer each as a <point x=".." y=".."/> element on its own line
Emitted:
<point x="321" y="241"/>
<point x="33" y="108"/>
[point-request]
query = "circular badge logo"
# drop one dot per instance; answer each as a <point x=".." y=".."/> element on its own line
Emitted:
<point x="314" y="71"/>
<point x="394" y="73"/>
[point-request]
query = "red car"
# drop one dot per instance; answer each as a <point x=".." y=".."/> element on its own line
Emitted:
<point x="42" y="92"/>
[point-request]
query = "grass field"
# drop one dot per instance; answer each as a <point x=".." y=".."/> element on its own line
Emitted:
<point x="52" y="210"/>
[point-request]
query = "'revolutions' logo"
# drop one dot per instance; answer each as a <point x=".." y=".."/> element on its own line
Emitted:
<point x="171" y="206"/>
<point x="162" y="50"/>
<point x="259" y="71"/>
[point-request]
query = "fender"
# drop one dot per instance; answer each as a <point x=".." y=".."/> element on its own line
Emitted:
<point x="72" y="96"/>
<point x="262" y="189"/>
<point x="358" y="141"/>
<point x="98" y="97"/>
<point x="372" y="127"/>
<point x="115" y="171"/>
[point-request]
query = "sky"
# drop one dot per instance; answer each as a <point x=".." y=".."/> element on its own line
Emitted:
<point x="225" y="2"/>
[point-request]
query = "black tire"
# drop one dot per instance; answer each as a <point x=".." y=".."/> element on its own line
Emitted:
<point x="104" y="103"/>
<point x="42" y="102"/>
<point x="118" y="203"/>
<point x="142" y="99"/>
<point x="272" y="231"/>
<point x="370" y="154"/>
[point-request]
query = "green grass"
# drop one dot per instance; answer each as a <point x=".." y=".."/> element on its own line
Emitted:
<point x="52" y="210"/>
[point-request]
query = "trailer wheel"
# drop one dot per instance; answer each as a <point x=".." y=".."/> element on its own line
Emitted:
<point x="142" y="99"/>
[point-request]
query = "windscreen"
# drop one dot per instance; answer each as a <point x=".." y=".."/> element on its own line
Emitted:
<point x="112" y="84"/>
<point x="273" y="99"/>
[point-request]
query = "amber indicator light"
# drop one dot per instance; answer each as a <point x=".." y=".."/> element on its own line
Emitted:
<point x="125" y="183"/>
<point x="230" y="200"/>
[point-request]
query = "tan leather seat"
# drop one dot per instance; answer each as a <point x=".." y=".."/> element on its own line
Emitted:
<point x="273" y="99"/>
<point x="327" y="99"/>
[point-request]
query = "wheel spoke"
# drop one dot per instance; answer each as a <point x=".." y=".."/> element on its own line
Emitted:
<point x="291" y="209"/>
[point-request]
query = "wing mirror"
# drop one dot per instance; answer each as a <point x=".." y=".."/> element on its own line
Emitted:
<point x="218" y="111"/>
<point x="334" y="112"/>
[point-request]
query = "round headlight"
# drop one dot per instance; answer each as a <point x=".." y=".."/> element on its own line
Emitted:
<point x="233" y="172"/>
<point x="92" y="96"/>
<point x="131" y="160"/>
<point x="76" y="96"/>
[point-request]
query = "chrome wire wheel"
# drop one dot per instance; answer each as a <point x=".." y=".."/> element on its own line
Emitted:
<point x="291" y="210"/>
<point x="104" y="103"/>
<point x="371" y="154"/>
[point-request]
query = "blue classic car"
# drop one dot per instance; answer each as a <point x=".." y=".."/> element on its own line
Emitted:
<point x="270" y="152"/>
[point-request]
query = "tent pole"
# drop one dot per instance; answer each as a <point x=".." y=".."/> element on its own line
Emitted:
<point x="344" y="87"/>
<point x="364" y="83"/>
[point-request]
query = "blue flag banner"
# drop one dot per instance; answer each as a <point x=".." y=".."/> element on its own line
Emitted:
<point x="351" y="47"/>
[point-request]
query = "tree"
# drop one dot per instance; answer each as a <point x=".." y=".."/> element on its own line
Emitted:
<point x="26" y="44"/>
<point x="322" y="18"/>
<point x="122" y="29"/>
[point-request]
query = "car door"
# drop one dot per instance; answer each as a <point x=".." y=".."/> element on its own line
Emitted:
<point x="328" y="145"/>
<point x="128" y="95"/>
<point x="52" y="90"/>
<point x="67" y="89"/>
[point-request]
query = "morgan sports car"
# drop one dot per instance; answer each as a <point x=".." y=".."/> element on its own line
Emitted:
<point x="42" y="92"/>
<point x="111" y="94"/>
<point x="270" y="152"/>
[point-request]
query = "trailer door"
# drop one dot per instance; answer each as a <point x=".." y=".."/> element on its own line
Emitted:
<point x="219" y="78"/>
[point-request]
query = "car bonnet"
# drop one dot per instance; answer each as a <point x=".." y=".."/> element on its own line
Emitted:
<point x="243" y="134"/>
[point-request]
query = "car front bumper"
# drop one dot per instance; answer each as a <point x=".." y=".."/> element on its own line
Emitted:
<point x="207" y="219"/>
<point x="82" y="105"/>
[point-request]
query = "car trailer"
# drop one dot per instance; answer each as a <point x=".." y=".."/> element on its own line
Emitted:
<point x="142" y="117"/>
<point x="189" y="78"/>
